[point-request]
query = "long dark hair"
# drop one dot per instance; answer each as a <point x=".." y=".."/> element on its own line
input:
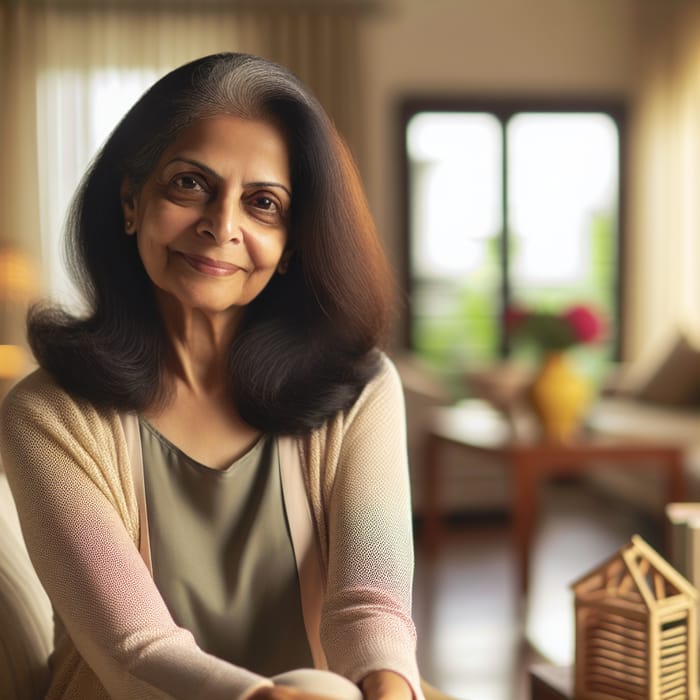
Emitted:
<point x="307" y="344"/>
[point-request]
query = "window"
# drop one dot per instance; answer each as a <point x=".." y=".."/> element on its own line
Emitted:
<point x="76" y="111"/>
<point x="508" y="203"/>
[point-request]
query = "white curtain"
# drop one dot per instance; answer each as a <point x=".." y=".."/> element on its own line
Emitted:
<point x="663" y="246"/>
<point x="71" y="69"/>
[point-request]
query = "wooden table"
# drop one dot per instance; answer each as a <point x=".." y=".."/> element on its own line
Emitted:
<point x="531" y="461"/>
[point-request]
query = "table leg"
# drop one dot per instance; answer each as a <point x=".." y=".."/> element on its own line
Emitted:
<point x="675" y="492"/>
<point x="431" y="507"/>
<point x="675" y="476"/>
<point x="524" y="503"/>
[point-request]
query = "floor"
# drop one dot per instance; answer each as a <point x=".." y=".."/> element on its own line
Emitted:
<point x="476" y="634"/>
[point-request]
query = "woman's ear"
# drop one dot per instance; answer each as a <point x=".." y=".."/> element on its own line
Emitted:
<point x="128" y="200"/>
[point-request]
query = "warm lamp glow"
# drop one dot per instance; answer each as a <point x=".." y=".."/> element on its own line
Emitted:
<point x="17" y="280"/>
<point x="13" y="361"/>
<point x="17" y="285"/>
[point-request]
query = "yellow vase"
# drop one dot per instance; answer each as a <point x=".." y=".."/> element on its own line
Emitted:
<point x="560" y="397"/>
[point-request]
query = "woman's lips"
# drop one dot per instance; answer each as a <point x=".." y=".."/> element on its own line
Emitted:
<point x="208" y="266"/>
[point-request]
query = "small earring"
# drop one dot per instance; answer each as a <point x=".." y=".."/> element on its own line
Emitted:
<point x="128" y="226"/>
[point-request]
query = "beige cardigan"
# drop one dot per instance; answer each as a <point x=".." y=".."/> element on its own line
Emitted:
<point x="69" y="468"/>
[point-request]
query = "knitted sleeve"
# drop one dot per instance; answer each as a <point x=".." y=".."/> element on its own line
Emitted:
<point x="63" y="462"/>
<point x="366" y="622"/>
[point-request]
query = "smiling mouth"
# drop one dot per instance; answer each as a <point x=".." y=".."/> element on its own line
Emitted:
<point x="207" y="266"/>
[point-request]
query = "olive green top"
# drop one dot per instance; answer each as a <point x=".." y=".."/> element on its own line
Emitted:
<point x="222" y="554"/>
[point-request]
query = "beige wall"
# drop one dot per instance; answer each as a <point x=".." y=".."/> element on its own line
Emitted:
<point x="501" y="47"/>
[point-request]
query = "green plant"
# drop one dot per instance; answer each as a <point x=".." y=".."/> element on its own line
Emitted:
<point x="554" y="330"/>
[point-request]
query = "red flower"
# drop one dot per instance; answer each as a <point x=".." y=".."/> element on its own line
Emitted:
<point x="514" y="316"/>
<point x="554" y="330"/>
<point x="585" y="324"/>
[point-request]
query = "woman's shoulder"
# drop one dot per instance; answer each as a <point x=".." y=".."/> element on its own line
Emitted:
<point x="38" y="415"/>
<point x="37" y="390"/>
<point x="385" y="380"/>
<point x="38" y="397"/>
<point x="383" y="393"/>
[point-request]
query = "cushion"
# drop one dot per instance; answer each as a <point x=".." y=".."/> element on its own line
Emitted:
<point x="675" y="379"/>
<point x="27" y="629"/>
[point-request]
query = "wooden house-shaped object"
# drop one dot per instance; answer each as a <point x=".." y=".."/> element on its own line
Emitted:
<point x="636" y="635"/>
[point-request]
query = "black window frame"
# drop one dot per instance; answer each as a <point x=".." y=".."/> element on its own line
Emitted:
<point x="504" y="109"/>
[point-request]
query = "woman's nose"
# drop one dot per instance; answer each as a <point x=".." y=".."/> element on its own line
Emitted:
<point x="222" y="221"/>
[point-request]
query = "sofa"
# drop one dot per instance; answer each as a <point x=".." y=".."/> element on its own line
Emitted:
<point x="26" y="631"/>
<point x="655" y="398"/>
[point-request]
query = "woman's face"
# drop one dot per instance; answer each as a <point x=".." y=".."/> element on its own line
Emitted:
<point x="211" y="219"/>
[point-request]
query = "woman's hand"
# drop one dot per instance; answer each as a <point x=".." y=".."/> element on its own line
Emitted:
<point x="385" y="685"/>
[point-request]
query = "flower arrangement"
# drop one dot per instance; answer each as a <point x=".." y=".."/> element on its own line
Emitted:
<point x="553" y="331"/>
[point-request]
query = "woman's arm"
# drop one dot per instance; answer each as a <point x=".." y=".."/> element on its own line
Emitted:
<point x="367" y="630"/>
<point x="72" y="508"/>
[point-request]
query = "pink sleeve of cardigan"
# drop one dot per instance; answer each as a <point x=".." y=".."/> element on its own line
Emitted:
<point x="88" y="563"/>
<point x="366" y="622"/>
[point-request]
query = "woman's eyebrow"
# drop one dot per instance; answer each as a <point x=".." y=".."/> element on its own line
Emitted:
<point x="268" y="184"/>
<point x="196" y="163"/>
<point x="213" y="173"/>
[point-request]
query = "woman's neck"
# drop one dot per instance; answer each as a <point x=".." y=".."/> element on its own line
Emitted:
<point x="198" y="347"/>
<point x="201" y="417"/>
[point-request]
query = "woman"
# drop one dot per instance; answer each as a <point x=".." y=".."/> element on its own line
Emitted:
<point x="223" y="401"/>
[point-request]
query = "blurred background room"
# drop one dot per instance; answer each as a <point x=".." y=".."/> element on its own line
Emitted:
<point x="518" y="156"/>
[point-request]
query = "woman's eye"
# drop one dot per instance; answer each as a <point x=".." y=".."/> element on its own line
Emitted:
<point x="189" y="183"/>
<point x="267" y="208"/>
<point x="265" y="203"/>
